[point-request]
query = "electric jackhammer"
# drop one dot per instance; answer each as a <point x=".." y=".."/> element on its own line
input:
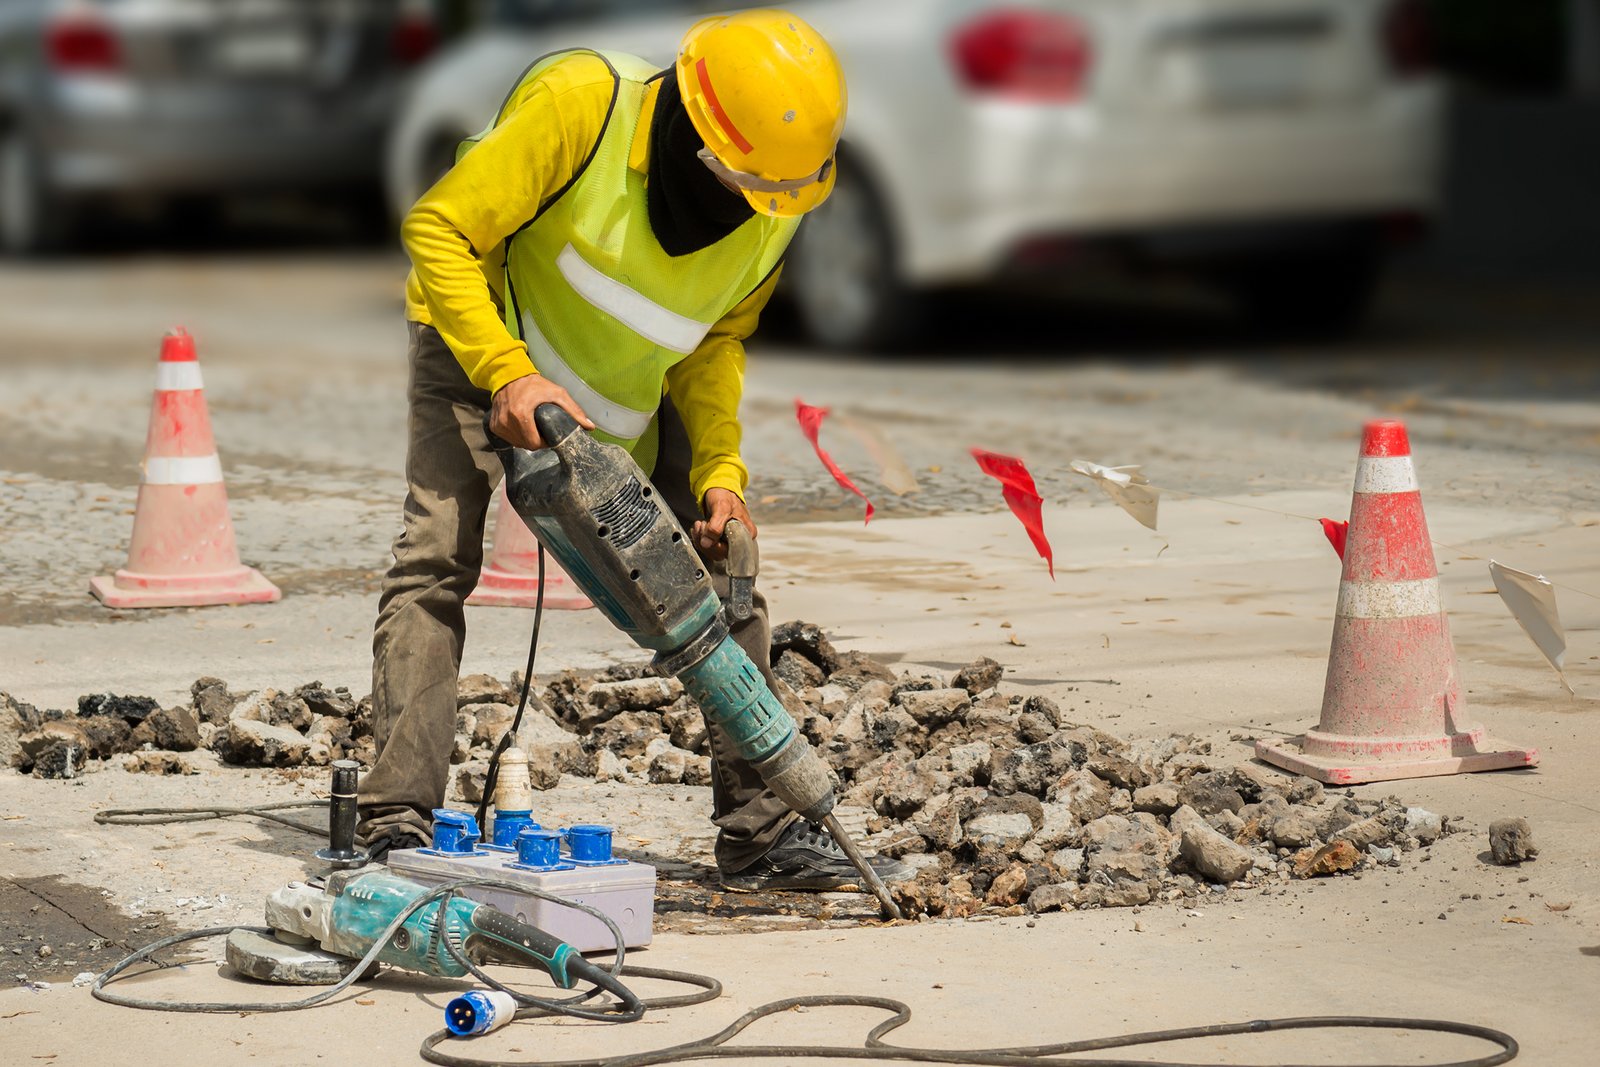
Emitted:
<point x="594" y="509"/>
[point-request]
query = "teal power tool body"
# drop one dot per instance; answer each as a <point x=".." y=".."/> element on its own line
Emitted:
<point x="594" y="509"/>
<point x="350" y="912"/>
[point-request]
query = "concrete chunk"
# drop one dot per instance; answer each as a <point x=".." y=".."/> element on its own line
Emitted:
<point x="1208" y="852"/>
<point x="933" y="708"/>
<point x="1511" y="841"/>
<point x="258" y="744"/>
<point x="979" y="675"/>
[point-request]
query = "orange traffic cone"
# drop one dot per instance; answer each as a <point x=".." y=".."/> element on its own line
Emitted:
<point x="1392" y="706"/>
<point x="511" y="577"/>
<point x="183" y="553"/>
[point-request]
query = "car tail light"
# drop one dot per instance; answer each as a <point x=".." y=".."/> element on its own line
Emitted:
<point x="82" y="44"/>
<point x="1408" y="38"/>
<point x="413" y="39"/>
<point x="1037" y="55"/>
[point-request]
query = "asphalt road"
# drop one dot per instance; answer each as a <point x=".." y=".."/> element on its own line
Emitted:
<point x="304" y="363"/>
<point x="1217" y="626"/>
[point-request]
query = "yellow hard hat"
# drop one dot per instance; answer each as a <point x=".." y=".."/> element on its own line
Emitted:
<point x="765" y="93"/>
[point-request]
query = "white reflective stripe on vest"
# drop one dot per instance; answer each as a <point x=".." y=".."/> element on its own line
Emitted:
<point x="633" y="309"/>
<point x="182" y="470"/>
<point x="623" y="423"/>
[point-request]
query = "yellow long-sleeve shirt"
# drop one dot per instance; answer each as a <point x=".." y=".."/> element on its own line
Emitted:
<point x="456" y="233"/>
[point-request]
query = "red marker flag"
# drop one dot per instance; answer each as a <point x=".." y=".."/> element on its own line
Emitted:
<point x="810" y="423"/>
<point x="1337" y="533"/>
<point x="1022" y="496"/>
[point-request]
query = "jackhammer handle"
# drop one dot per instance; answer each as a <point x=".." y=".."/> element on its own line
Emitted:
<point x="551" y="420"/>
<point x="554" y="424"/>
<point x="744" y="561"/>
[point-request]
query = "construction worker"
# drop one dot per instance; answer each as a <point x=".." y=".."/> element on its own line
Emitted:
<point x="606" y="244"/>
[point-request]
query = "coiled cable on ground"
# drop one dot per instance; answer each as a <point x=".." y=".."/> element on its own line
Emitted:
<point x="716" y="1047"/>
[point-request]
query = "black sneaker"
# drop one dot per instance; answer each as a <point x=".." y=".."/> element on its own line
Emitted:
<point x="806" y="857"/>
<point x="379" y="848"/>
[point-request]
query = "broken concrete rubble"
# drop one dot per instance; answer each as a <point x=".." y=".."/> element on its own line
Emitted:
<point x="158" y="763"/>
<point x="483" y="689"/>
<point x="169" y="729"/>
<point x="131" y="709"/>
<point x="997" y="801"/>
<point x="1209" y="853"/>
<point x="251" y="743"/>
<point x="105" y="735"/>
<point x="1423" y="825"/>
<point x="978" y="676"/>
<point x="797" y="671"/>
<point x="1332" y="858"/>
<point x="212" y="701"/>
<point x="808" y="640"/>
<point x="1511" y="841"/>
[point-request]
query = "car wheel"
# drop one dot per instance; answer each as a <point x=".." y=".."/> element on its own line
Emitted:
<point x="31" y="220"/>
<point x="842" y="275"/>
<point x="1321" y="296"/>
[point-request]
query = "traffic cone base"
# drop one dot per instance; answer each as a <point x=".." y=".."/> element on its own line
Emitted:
<point x="1470" y="752"/>
<point x="511" y="577"/>
<point x="500" y="588"/>
<point x="126" y="589"/>
<point x="1392" y="707"/>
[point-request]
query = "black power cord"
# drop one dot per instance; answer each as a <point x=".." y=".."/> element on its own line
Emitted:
<point x="492" y="775"/>
<point x="157" y="816"/>
<point x="715" y="1046"/>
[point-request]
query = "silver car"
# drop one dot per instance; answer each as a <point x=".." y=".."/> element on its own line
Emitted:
<point x="100" y="99"/>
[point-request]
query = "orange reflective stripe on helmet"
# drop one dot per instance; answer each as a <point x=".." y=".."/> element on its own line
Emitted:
<point x="717" y="111"/>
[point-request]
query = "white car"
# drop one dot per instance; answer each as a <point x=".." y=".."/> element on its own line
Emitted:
<point x="1277" y="146"/>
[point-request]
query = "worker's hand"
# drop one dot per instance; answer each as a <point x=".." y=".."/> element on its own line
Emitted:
<point x="720" y="505"/>
<point x="512" y="407"/>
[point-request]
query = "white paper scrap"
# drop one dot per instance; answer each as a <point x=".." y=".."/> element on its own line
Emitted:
<point x="1127" y="486"/>
<point x="1532" y="600"/>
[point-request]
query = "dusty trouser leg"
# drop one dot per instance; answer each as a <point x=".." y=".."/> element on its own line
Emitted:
<point x="748" y="815"/>
<point x="416" y="644"/>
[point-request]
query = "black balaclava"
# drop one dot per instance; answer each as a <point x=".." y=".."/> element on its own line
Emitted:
<point x="689" y="207"/>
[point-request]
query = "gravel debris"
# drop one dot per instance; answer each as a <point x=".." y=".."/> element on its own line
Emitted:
<point x="998" y="802"/>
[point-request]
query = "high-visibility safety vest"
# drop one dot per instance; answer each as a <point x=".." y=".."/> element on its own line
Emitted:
<point x="603" y="309"/>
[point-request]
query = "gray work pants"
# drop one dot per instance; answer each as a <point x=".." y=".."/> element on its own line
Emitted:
<point x="451" y="476"/>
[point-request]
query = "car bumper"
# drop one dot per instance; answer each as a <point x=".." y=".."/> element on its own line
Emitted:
<point x="1092" y="174"/>
<point x="116" y="138"/>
